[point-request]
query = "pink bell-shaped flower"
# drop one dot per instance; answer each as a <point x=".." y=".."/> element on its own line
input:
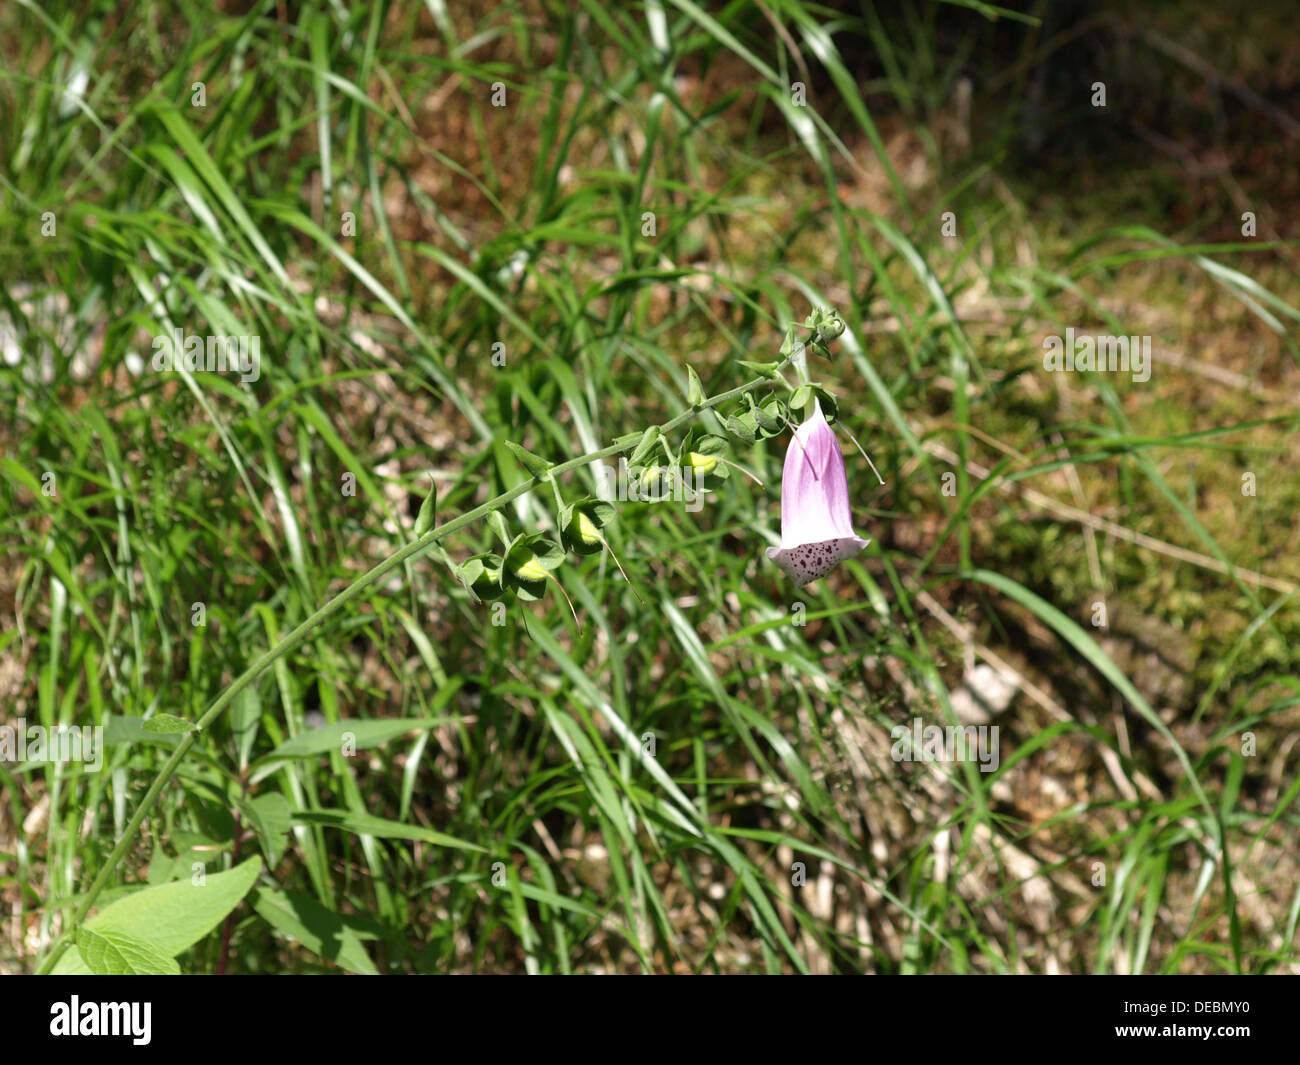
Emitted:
<point x="816" y="524"/>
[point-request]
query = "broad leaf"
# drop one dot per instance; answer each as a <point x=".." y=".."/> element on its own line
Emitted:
<point x="114" y="953"/>
<point x="170" y="917"/>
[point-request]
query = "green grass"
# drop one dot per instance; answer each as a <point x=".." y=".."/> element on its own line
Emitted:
<point x="684" y="780"/>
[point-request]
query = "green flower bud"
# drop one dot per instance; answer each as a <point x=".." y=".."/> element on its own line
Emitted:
<point x="651" y="477"/>
<point x="587" y="532"/>
<point x="827" y="324"/>
<point x="532" y="570"/>
<point x="704" y="457"/>
<point x="580" y="530"/>
<point x="702" y="464"/>
<point x="580" y="525"/>
<point x="428" y="510"/>
<point x="528" y="564"/>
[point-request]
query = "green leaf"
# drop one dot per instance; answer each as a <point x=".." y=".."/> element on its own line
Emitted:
<point x="428" y="510"/>
<point x="171" y="917"/>
<point x="272" y="817"/>
<point x="191" y="849"/>
<point x="169" y="725"/>
<point x="112" y="953"/>
<point x="245" y="722"/>
<point x="320" y="930"/>
<point x="381" y="828"/>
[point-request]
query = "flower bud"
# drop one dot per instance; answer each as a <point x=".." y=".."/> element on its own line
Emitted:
<point x="704" y="457"/>
<point x="651" y="479"/>
<point x="528" y="565"/>
<point x="702" y="464"/>
<point x="580" y="525"/>
<point x="587" y="532"/>
<point x="827" y="324"/>
<point x="531" y="570"/>
<point x="428" y="510"/>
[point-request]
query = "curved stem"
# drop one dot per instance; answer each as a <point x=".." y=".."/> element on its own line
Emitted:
<point x="299" y="635"/>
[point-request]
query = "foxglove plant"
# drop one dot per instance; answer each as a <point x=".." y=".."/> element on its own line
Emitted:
<point x="816" y="532"/>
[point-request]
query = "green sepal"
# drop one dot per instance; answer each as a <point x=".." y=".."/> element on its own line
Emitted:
<point x="708" y="444"/>
<point x="743" y="426"/>
<point x="801" y="398"/>
<point x="829" y="404"/>
<point x="650" y="477"/>
<point x="482" y="576"/>
<point x="768" y="415"/>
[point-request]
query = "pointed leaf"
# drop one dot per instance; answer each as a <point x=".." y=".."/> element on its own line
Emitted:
<point x="320" y="930"/>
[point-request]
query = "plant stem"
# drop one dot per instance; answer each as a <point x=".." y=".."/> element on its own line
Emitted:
<point x="295" y="638"/>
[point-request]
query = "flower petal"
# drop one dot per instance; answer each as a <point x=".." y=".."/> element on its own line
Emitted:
<point x="804" y="563"/>
<point x="814" y="486"/>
